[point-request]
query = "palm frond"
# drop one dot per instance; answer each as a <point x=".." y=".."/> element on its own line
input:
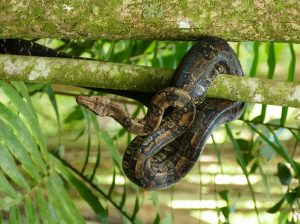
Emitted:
<point x="30" y="189"/>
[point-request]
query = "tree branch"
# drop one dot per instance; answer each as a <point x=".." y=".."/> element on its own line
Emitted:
<point x="144" y="19"/>
<point x="99" y="74"/>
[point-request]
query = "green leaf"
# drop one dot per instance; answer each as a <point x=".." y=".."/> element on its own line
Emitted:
<point x="291" y="197"/>
<point x="225" y="211"/>
<point x="83" y="190"/>
<point x="155" y="199"/>
<point x="26" y="109"/>
<point x="292" y="66"/>
<point x="23" y="134"/>
<point x="14" y="215"/>
<point x="17" y="149"/>
<point x="136" y="208"/>
<point x="284" y="174"/>
<point x="246" y="149"/>
<point x="30" y="212"/>
<point x="253" y="69"/>
<point x="113" y="150"/>
<point x="75" y="115"/>
<point x="6" y="188"/>
<point x="8" y="165"/>
<point x="157" y="219"/>
<point x="51" y="95"/>
<point x="113" y="183"/>
<point x="271" y="64"/>
<point x="276" y="207"/>
<point x="123" y="199"/>
<point x="63" y="205"/>
<point x="95" y="123"/>
<point x="88" y="150"/>
<point x="34" y="88"/>
<point x="45" y="209"/>
<point x="217" y="152"/>
<point x="285" y="154"/>
<point x="22" y="89"/>
<point x="224" y="195"/>
<point x="242" y="164"/>
<point x="291" y="75"/>
<point x="280" y="149"/>
<point x="254" y="167"/>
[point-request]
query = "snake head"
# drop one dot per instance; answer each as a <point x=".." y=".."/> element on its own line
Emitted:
<point x="97" y="104"/>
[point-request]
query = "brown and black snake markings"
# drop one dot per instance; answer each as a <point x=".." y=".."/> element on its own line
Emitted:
<point x="167" y="146"/>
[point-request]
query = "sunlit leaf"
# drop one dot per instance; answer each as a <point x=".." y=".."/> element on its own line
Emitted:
<point x="8" y="165"/>
<point x="63" y="205"/>
<point x="50" y="93"/>
<point x="26" y="109"/>
<point x="23" y="134"/>
<point x="7" y="188"/>
<point x="18" y="151"/>
<point x="84" y="191"/>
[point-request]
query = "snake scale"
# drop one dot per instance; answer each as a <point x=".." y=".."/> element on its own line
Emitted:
<point x="168" y="144"/>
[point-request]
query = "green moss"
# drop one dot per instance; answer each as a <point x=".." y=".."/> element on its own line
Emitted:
<point x="146" y="19"/>
<point x="100" y="74"/>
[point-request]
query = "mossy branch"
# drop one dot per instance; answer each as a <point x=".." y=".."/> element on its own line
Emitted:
<point x="99" y="74"/>
<point x="147" y="19"/>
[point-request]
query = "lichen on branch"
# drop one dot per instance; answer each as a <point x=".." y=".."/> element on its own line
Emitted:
<point x="99" y="74"/>
<point x="147" y="19"/>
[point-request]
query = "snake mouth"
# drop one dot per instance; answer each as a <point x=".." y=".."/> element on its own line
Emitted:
<point x="83" y="100"/>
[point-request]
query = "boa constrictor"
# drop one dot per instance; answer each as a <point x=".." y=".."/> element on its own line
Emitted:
<point x="166" y="147"/>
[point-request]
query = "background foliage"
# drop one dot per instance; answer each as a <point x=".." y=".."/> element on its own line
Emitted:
<point x="59" y="163"/>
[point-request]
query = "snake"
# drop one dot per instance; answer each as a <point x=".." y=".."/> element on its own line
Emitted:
<point x="173" y="133"/>
<point x="168" y="145"/>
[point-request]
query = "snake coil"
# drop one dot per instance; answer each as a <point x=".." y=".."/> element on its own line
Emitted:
<point x="166" y="148"/>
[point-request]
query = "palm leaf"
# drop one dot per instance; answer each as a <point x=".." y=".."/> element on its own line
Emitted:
<point x="26" y="173"/>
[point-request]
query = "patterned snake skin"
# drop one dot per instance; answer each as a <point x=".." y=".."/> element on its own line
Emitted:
<point x="167" y="147"/>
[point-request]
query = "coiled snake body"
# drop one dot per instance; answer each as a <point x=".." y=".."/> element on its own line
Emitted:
<point x="166" y="148"/>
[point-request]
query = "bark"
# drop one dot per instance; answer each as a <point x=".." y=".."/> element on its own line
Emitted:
<point x="89" y="73"/>
<point x="151" y="19"/>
